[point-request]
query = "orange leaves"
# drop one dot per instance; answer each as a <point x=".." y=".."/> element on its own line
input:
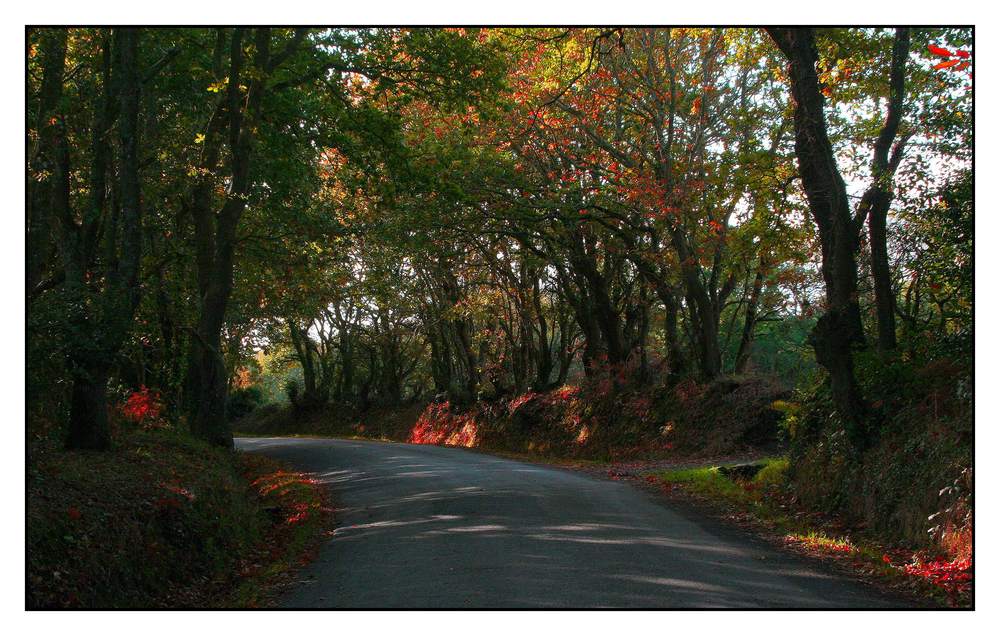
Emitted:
<point x="696" y="105"/>
<point x="269" y="483"/>
<point x="947" y="64"/>
<point x="179" y="491"/>
<point x="300" y="512"/>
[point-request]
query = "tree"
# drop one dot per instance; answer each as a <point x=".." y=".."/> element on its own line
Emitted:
<point x="839" y="331"/>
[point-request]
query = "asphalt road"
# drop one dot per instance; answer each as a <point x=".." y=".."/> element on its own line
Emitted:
<point x="432" y="527"/>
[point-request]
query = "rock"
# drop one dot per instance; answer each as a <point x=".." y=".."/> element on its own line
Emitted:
<point x="741" y="472"/>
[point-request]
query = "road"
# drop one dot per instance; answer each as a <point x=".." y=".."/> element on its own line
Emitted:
<point x="425" y="526"/>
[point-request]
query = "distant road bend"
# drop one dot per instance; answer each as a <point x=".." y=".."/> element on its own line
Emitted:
<point x="425" y="526"/>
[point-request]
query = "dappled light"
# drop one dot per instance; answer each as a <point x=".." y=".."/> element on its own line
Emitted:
<point x="695" y="284"/>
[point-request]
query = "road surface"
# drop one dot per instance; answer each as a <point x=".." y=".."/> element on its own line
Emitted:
<point x="426" y="526"/>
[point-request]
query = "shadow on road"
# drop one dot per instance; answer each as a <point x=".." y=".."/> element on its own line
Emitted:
<point x="423" y="526"/>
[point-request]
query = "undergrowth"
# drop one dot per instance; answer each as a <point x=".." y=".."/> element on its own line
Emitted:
<point x="769" y="499"/>
<point x="161" y="520"/>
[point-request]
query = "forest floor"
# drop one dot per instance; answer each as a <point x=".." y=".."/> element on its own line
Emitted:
<point x="162" y="520"/>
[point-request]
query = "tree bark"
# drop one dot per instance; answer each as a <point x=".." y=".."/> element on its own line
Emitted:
<point x="41" y="157"/>
<point x="104" y="329"/>
<point x="876" y="201"/>
<point x="237" y="117"/>
<point x="838" y="331"/>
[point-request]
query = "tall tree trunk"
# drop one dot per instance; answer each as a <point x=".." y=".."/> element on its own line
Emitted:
<point x="876" y="200"/>
<point x="41" y="156"/>
<point x="704" y="311"/>
<point x="89" y="409"/>
<point x="544" y="362"/>
<point x="106" y="331"/>
<point x="216" y="233"/>
<point x="838" y="331"/>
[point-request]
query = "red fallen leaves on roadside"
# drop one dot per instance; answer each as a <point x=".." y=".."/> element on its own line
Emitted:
<point x="956" y="573"/>
<point x="953" y="576"/>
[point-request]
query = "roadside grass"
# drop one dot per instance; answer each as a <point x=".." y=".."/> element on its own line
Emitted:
<point x="160" y="520"/>
<point x="766" y="501"/>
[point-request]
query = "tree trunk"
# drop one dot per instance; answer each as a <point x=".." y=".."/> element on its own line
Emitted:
<point x="88" y="423"/>
<point x="879" y="195"/>
<point x="216" y="233"/>
<point x="104" y="328"/>
<point x="838" y="332"/>
<point x="41" y="156"/>
<point x="749" y="322"/>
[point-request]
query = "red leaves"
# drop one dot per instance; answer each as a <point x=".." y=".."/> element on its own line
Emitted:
<point x="300" y="513"/>
<point x="520" y="401"/>
<point x="74" y="513"/>
<point x="953" y="64"/>
<point x="438" y="425"/>
<point x="179" y="491"/>
<point x="143" y="405"/>
<point x="954" y="576"/>
<point x="941" y="572"/>
<point x="937" y="50"/>
<point x="566" y="393"/>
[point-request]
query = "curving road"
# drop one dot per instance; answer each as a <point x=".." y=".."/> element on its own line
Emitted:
<point x="425" y="526"/>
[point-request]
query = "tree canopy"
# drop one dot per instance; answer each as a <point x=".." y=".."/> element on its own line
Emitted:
<point x="476" y="213"/>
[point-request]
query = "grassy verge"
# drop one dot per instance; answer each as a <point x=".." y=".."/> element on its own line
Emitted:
<point x="161" y="520"/>
<point x="766" y="503"/>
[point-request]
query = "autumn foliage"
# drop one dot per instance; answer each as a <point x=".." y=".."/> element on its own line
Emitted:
<point x="143" y="406"/>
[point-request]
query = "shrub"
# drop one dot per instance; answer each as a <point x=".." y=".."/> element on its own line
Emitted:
<point x="292" y="391"/>
<point x="244" y="401"/>
<point x="906" y="484"/>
